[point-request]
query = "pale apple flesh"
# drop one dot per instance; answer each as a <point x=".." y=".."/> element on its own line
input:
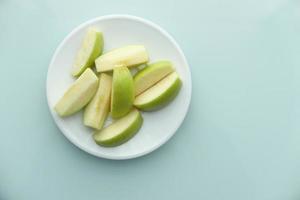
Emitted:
<point x="78" y="94"/>
<point x="127" y="56"/>
<point x="150" y="75"/>
<point x="97" y="110"/>
<point x="119" y="131"/>
<point x="122" y="92"/>
<point x="160" y="94"/>
<point x="91" y="48"/>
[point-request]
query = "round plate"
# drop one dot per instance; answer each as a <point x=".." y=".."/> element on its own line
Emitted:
<point x="120" y="30"/>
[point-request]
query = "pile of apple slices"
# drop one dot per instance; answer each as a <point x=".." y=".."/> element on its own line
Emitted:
<point x="114" y="90"/>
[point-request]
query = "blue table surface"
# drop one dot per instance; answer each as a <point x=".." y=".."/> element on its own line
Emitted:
<point x="239" y="141"/>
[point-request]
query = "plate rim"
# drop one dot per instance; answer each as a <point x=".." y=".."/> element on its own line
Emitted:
<point x="152" y="25"/>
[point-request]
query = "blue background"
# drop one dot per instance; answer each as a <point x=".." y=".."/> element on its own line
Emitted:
<point x="240" y="139"/>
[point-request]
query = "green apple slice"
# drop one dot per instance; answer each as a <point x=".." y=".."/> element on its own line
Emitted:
<point x="160" y="94"/>
<point x="122" y="95"/>
<point x="78" y="94"/>
<point x="150" y="75"/>
<point x="91" y="48"/>
<point x="120" y="131"/>
<point x="127" y="56"/>
<point x="97" y="110"/>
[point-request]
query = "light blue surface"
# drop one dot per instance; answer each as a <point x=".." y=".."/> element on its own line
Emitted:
<point x="240" y="140"/>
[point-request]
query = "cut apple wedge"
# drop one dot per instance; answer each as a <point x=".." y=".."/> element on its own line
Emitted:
<point x="150" y="75"/>
<point x="97" y="110"/>
<point x="160" y="94"/>
<point x="91" y="48"/>
<point x="122" y="95"/>
<point x="120" y="131"/>
<point x="78" y="94"/>
<point x="127" y="56"/>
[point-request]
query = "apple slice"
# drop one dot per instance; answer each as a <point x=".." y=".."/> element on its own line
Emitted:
<point x="127" y="56"/>
<point x="91" y="48"/>
<point x="97" y="110"/>
<point x="150" y="75"/>
<point x="120" y="131"/>
<point x="78" y="94"/>
<point x="122" y="95"/>
<point x="160" y="94"/>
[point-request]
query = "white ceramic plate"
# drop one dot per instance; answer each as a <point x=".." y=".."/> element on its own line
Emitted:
<point x="120" y="30"/>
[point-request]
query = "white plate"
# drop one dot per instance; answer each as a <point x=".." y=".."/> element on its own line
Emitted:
<point x="120" y="30"/>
